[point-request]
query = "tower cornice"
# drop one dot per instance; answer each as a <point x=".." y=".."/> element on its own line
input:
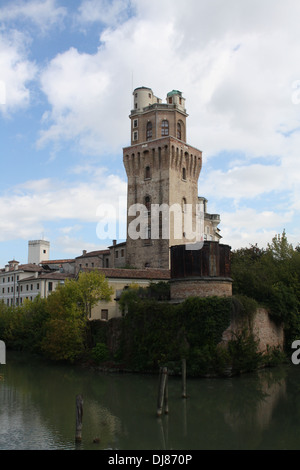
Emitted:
<point x="162" y="141"/>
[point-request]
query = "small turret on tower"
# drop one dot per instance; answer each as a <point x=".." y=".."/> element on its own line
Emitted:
<point x="152" y="119"/>
<point x="175" y="97"/>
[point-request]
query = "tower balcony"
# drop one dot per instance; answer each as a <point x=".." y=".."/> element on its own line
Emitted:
<point x="159" y="107"/>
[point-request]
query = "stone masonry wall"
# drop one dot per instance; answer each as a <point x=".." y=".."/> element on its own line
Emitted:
<point x="265" y="330"/>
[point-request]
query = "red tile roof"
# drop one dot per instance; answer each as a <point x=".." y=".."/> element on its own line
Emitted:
<point x="148" y="273"/>
<point x="93" y="253"/>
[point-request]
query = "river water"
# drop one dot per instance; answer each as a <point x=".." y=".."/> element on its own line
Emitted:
<point x="259" y="410"/>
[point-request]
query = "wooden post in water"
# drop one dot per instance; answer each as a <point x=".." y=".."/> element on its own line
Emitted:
<point x="183" y="372"/>
<point x="79" y="415"/>
<point x="163" y="372"/>
<point x="166" y="395"/>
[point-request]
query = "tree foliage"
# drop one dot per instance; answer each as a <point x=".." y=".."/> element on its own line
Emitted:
<point x="88" y="289"/>
<point x="271" y="276"/>
<point x="58" y="326"/>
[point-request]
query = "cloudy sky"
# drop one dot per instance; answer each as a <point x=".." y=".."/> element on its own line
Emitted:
<point x="67" y="72"/>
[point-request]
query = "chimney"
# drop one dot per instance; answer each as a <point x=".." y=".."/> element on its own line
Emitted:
<point x="84" y="252"/>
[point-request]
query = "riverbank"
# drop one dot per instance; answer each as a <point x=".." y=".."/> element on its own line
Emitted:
<point x="151" y="334"/>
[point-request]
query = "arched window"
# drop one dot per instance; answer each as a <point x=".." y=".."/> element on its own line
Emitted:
<point x="165" y="127"/>
<point x="178" y="130"/>
<point x="183" y="173"/>
<point x="147" y="173"/>
<point x="183" y="204"/>
<point x="149" y="130"/>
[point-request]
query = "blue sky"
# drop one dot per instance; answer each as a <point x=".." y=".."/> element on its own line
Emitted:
<point x="67" y="72"/>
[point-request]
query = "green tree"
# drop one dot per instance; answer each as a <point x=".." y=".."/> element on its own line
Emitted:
<point x="271" y="276"/>
<point x="69" y="307"/>
<point x="280" y="248"/>
<point x="65" y="327"/>
<point x="88" y="289"/>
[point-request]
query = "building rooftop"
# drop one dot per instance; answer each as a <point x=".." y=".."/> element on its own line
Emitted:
<point x="23" y="267"/>
<point x="93" y="253"/>
<point x="51" y="276"/>
<point x="57" y="261"/>
<point x="121" y="273"/>
<point x="174" y="92"/>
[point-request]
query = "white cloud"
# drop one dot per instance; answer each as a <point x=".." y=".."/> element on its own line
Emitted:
<point x="109" y="12"/>
<point x="249" y="226"/>
<point x="78" y="87"/>
<point x="16" y="72"/>
<point x="223" y="58"/>
<point x="42" y="13"/>
<point x="28" y="207"/>
<point x="74" y="246"/>
<point x="247" y="181"/>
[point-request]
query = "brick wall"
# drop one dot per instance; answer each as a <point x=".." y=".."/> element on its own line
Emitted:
<point x="182" y="289"/>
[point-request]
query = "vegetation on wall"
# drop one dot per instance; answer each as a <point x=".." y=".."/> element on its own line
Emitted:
<point x="159" y="333"/>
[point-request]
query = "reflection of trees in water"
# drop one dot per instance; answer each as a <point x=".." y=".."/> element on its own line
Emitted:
<point x="287" y="416"/>
<point x="105" y="425"/>
<point x="251" y="410"/>
<point x="233" y="413"/>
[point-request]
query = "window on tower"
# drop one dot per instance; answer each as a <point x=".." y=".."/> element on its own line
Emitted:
<point x="165" y="127"/>
<point x="183" y="173"/>
<point x="179" y="131"/>
<point x="149" y="130"/>
<point x="147" y="173"/>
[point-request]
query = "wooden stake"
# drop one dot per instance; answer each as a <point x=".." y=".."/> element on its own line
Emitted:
<point x="79" y="415"/>
<point x="166" y="395"/>
<point x="161" y="389"/>
<point x="183" y="371"/>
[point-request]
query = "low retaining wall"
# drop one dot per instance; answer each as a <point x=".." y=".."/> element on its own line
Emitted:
<point x="268" y="333"/>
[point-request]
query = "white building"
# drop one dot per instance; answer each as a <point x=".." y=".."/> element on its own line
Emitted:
<point x="38" y="251"/>
<point x="11" y="276"/>
<point x="38" y="277"/>
<point x="40" y="283"/>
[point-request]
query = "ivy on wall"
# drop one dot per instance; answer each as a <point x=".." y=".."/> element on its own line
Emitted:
<point x="155" y="333"/>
